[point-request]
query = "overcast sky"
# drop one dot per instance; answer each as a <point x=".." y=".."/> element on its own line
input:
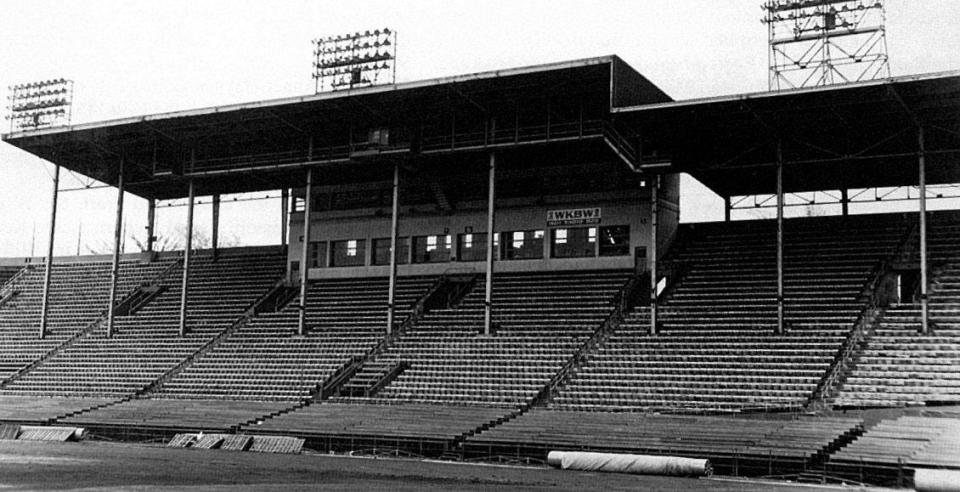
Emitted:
<point x="135" y="57"/>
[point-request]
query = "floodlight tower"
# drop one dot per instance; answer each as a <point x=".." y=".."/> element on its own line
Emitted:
<point x="40" y="104"/>
<point x="822" y="42"/>
<point x="355" y="60"/>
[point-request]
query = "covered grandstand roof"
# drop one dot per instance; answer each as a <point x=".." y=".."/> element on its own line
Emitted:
<point x="843" y="136"/>
<point x="254" y="146"/>
<point x="855" y="135"/>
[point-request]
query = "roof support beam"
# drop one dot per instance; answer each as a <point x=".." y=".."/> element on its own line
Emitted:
<point x="185" y="284"/>
<point x="305" y="254"/>
<point x="654" y="280"/>
<point x="491" y="234"/>
<point x="780" y="327"/>
<point x="394" y="226"/>
<point x="115" y="268"/>
<point x="922" y="175"/>
<point x="45" y="305"/>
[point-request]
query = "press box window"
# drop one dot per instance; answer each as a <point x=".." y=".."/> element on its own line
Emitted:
<point x="432" y="249"/>
<point x="574" y="242"/>
<point x="473" y="246"/>
<point x="351" y="252"/>
<point x="381" y="251"/>
<point x="615" y="241"/>
<point x="523" y="245"/>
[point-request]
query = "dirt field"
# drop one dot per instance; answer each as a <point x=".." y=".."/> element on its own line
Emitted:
<point x="38" y="465"/>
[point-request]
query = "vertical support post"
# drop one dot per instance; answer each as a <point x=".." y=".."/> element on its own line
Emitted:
<point x="924" y="302"/>
<point x="284" y="213"/>
<point x="779" y="237"/>
<point x="394" y="226"/>
<point x="727" y="206"/>
<point x="305" y="253"/>
<point x="844" y="202"/>
<point x="491" y="197"/>
<point x="215" y="227"/>
<point x="151" y="223"/>
<point x="115" y="270"/>
<point x="49" y="266"/>
<point x="184" y="285"/>
<point x="654" y="238"/>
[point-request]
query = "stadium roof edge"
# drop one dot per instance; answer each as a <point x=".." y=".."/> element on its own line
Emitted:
<point x="322" y="96"/>
<point x="745" y="96"/>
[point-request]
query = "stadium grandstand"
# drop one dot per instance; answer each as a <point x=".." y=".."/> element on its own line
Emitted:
<point x="491" y="266"/>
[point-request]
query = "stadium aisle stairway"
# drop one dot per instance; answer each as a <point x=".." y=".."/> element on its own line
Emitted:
<point x="79" y="293"/>
<point x="716" y="349"/>
<point x="147" y="343"/>
<point x="266" y="360"/>
<point x="899" y="366"/>
<point x="541" y="319"/>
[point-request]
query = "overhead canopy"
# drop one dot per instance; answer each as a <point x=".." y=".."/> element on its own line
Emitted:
<point x="560" y="109"/>
<point x="856" y="135"/>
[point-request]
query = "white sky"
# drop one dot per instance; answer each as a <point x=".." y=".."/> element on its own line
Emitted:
<point x="130" y="58"/>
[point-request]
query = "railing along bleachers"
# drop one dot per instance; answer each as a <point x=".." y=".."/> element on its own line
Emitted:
<point x="79" y="294"/>
<point x="716" y="349"/>
<point x="730" y="443"/>
<point x="900" y="366"/>
<point x="266" y="360"/>
<point x="146" y="344"/>
<point x="541" y="319"/>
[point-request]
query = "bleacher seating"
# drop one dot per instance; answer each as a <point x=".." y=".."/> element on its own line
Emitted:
<point x="266" y="360"/>
<point x="541" y="319"/>
<point x="404" y="421"/>
<point x="41" y="409"/>
<point x="177" y="414"/>
<point x="915" y="441"/>
<point x="717" y="438"/>
<point x="716" y="349"/>
<point x="147" y="343"/>
<point x="79" y="294"/>
<point x="899" y="366"/>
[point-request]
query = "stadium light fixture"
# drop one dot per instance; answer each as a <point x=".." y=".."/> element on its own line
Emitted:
<point x="41" y="104"/>
<point x="355" y="60"/>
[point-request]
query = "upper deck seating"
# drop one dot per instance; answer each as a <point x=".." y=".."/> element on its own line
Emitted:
<point x="899" y="366"/>
<point x="147" y="343"/>
<point x="266" y="360"/>
<point x="716" y="349"/>
<point x="541" y="319"/>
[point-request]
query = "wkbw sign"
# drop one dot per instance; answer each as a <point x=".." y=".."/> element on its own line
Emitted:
<point x="573" y="216"/>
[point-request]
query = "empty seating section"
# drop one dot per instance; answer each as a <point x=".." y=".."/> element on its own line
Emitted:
<point x="716" y="349"/>
<point x="629" y="432"/>
<point x="266" y="360"/>
<point x="177" y="414"/>
<point x="147" y="343"/>
<point x="913" y="440"/>
<point x="899" y="365"/>
<point x="39" y="409"/>
<point x="541" y="319"/>
<point x="79" y="294"/>
<point x="410" y="420"/>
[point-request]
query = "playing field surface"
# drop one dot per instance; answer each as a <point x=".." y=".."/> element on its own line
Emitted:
<point x="125" y="466"/>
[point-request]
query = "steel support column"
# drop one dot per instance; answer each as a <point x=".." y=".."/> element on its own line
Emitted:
<point x="185" y="284"/>
<point x="654" y="238"/>
<point x="284" y="213"/>
<point x="215" y="227"/>
<point x="780" y="327"/>
<point x="115" y="270"/>
<point x="305" y="253"/>
<point x="924" y="302"/>
<point x="394" y="226"/>
<point x="45" y="306"/>
<point x="491" y="197"/>
<point x="844" y="202"/>
<point x="151" y="223"/>
<point x="726" y="209"/>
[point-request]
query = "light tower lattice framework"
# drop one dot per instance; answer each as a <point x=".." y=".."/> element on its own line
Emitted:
<point x="823" y="42"/>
